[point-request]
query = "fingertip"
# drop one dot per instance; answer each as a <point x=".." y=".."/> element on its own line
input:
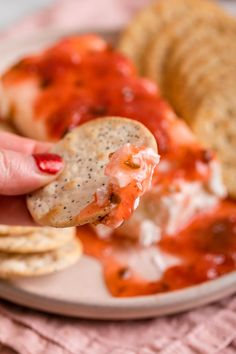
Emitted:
<point x="48" y="163"/>
<point x="20" y="174"/>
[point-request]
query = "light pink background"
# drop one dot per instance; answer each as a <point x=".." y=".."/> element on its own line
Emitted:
<point x="208" y="330"/>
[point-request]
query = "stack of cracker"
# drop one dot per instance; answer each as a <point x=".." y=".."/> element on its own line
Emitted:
<point x="32" y="251"/>
<point x="189" y="48"/>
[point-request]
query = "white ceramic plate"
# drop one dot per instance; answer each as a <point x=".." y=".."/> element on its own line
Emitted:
<point x="79" y="291"/>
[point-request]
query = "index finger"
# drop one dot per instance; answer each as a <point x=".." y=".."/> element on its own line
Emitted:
<point x="9" y="141"/>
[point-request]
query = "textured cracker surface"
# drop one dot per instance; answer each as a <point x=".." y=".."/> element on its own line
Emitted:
<point x="189" y="48"/>
<point x="159" y="49"/>
<point x="16" y="265"/>
<point x="17" y="230"/>
<point x="40" y="240"/>
<point x="195" y="60"/>
<point x="86" y="152"/>
<point x="215" y="124"/>
<point x="148" y="22"/>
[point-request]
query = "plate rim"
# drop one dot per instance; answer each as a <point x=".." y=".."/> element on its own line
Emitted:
<point x="116" y="308"/>
<point x="126" y="308"/>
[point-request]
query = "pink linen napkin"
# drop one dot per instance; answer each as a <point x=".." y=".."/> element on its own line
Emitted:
<point x="207" y="330"/>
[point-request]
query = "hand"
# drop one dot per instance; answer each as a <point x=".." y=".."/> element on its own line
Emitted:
<point x="25" y="166"/>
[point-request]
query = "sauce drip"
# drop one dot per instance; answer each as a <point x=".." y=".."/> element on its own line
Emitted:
<point x="82" y="78"/>
<point x="206" y="248"/>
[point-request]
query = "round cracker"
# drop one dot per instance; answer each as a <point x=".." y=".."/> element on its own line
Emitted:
<point x="205" y="46"/>
<point x="214" y="124"/>
<point x="206" y="85"/>
<point x="16" y="265"/>
<point x="158" y="48"/>
<point x="208" y="51"/>
<point x="148" y="22"/>
<point x="203" y="25"/>
<point x="86" y="152"/>
<point x="190" y="90"/>
<point x="158" y="51"/>
<point x="17" y="230"/>
<point x="45" y="239"/>
<point x="135" y="38"/>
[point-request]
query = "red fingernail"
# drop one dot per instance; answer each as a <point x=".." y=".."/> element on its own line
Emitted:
<point x="48" y="163"/>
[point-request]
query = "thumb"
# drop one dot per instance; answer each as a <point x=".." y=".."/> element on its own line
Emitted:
<point x="21" y="173"/>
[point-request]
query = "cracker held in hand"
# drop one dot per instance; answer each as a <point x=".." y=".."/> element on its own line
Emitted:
<point x="87" y="150"/>
<point x="34" y="240"/>
<point x="23" y="265"/>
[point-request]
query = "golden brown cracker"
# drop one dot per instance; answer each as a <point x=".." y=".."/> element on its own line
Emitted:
<point x="147" y="24"/>
<point x="86" y="151"/>
<point x="18" y="265"/>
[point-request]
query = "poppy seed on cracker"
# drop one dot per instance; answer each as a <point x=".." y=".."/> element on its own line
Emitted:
<point x="86" y="152"/>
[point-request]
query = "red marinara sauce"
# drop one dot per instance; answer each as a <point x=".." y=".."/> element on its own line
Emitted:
<point x="206" y="248"/>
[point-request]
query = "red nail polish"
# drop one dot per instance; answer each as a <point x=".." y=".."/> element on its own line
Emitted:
<point x="48" y="163"/>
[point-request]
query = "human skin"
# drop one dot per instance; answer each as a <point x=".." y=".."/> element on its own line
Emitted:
<point x="25" y="165"/>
